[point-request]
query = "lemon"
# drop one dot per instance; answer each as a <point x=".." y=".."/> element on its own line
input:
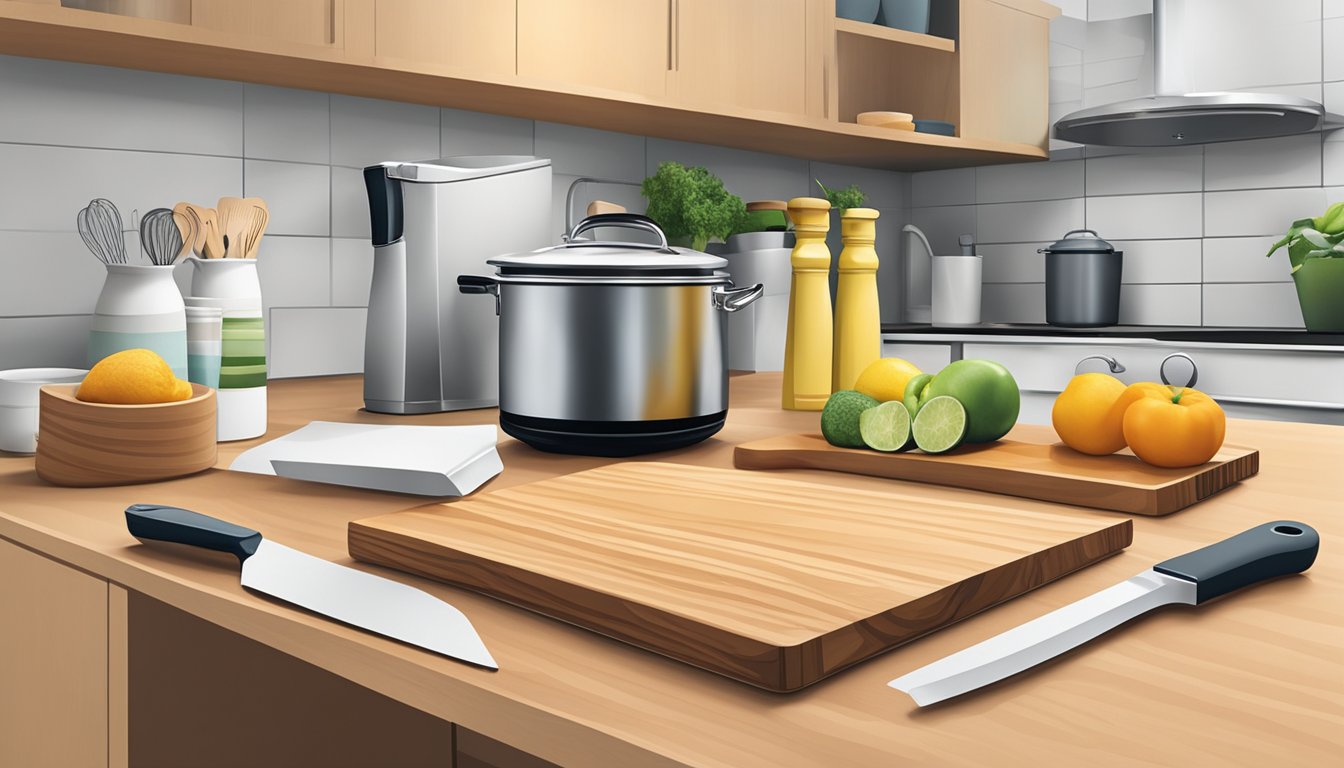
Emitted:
<point x="885" y="379"/>
<point x="132" y="377"/>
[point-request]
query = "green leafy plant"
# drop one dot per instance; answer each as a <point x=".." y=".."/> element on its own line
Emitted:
<point x="843" y="199"/>
<point x="691" y="204"/>
<point x="1318" y="238"/>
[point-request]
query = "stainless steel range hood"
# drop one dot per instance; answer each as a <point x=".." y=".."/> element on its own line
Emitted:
<point x="1173" y="118"/>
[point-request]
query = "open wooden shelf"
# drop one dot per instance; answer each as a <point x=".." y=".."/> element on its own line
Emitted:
<point x="879" y="32"/>
<point x="53" y="32"/>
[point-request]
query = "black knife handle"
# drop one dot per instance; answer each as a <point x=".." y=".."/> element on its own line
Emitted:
<point x="182" y="526"/>
<point x="1264" y="552"/>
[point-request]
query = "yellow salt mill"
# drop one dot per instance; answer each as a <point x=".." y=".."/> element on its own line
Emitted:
<point x="807" y="351"/>
<point x="858" y="340"/>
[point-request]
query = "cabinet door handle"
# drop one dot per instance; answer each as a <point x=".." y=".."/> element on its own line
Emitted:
<point x="1194" y="369"/>
<point x="1111" y="363"/>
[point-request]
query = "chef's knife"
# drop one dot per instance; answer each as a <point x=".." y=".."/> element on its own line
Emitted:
<point x="1259" y="554"/>
<point x="361" y="599"/>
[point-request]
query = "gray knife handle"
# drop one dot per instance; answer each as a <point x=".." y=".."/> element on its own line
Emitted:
<point x="1264" y="552"/>
<point x="182" y="526"/>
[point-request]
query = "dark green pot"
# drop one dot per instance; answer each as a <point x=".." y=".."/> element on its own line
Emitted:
<point x="1320" y="291"/>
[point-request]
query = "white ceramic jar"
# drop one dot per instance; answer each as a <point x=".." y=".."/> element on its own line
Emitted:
<point x="140" y="307"/>
<point x="233" y="286"/>
<point x="18" y="403"/>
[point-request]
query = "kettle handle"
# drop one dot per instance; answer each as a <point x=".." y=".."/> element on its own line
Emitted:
<point x="627" y="220"/>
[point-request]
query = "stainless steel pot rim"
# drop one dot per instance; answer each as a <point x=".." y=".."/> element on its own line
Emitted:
<point x="718" y="278"/>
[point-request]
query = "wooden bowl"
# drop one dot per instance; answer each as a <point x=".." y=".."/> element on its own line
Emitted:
<point x="92" y="444"/>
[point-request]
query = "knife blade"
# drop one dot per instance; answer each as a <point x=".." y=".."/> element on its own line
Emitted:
<point x="360" y="599"/>
<point x="1259" y="554"/>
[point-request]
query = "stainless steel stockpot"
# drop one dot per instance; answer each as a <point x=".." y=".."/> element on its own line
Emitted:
<point x="612" y="348"/>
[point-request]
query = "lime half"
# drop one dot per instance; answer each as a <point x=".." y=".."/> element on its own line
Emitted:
<point x="940" y="425"/>
<point x="886" y="427"/>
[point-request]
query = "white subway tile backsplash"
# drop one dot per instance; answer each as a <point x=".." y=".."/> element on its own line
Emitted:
<point x="351" y="272"/>
<point x="369" y="131"/>
<point x="749" y="175"/>
<point x="1125" y="37"/>
<point x="954" y="187"/>
<point x="476" y="133"/>
<point x="51" y="102"/>
<point x="349" y="203"/>
<point x="1019" y="303"/>
<point x="59" y="181"/>
<point x="1332" y="9"/>
<point x="1015" y="263"/>
<point x="1259" y="212"/>
<point x="1160" y="261"/>
<point x="316" y="341"/>
<point x="298" y="195"/>
<point x="1332" y="162"/>
<point x="1243" y="260"/>
<point x="1252" y="305"/>
<point x="57" y="341"/>
<point x="1040" y="222"/>
<point x="286" y="124"/>
<point x="1160" y="304"/>
<point x="1228" y="44"/>
<point x="1105" y="10"/>
<point x="1333" y="65"/>
<point x="1131" y="171"/>
<point x="34" y="262"/>
<point x="1145" y="217"/>
<point x="1053" y="180"/>
<point x="294" y="272"/>
<point x="579" y="151"/>
<point x="1290" y="161"/>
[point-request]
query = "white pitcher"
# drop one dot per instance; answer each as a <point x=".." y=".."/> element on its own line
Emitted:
<point x="140" y="308"/>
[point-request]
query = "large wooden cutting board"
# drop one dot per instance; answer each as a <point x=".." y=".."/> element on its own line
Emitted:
<point x="1032" y="463"/>
<point x="772" y="581"/>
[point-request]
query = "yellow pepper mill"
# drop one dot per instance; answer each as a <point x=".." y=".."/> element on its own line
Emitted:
<point x="807" y="350"/>
<point x="858" y="339"/>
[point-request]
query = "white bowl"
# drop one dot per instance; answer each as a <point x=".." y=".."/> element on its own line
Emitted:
<point x="18" y="403"/>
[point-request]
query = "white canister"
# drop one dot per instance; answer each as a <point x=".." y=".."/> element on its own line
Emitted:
<point x="233" y="286"/>
<point x="956" y="290"/>
<point x="140" y="307"/>
<point x="204" y="343"/>
<point x="18" y="403"/>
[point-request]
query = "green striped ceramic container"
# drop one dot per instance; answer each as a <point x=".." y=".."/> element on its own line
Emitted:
<point x="232" y="285"/>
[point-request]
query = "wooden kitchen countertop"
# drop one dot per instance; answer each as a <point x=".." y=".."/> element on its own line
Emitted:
<point x="1255" y="678"/>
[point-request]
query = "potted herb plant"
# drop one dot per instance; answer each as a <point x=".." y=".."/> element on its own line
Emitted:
<point x="1316" y="253"/>
<point x="843" y="199"/>
<point x="691" y="205"/>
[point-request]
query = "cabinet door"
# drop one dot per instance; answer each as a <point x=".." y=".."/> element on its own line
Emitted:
<point x="53" y="663"/>
<point x="471" y="35"/>
<point x="620" y="45"/>
<point x="741" y="53"/>
<point x="312" y="22"/>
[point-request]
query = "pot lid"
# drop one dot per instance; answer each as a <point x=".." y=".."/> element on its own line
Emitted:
<point x="579" y="256"/>
<point x="1080" y="244"/>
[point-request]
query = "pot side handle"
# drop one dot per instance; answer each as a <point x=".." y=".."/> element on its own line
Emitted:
<point x="733" y="299"/>
<point x="479" y="284"/>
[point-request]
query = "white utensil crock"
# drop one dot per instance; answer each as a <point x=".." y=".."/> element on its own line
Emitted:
<point x="140" y="307"/>
<point x="233" y="286"/>
<point x="956" y="290"/>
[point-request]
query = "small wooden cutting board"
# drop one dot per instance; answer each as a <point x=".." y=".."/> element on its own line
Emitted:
<point x="772" y="581"/>
<point x="1031" y="463"/>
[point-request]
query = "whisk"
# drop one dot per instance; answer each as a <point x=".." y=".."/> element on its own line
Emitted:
<point x="160" y="237"/>
<point x="100" y="226"/>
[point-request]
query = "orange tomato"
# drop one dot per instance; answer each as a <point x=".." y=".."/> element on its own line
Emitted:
<point x="1172" y="426"/>
<point x="1089" y="414"/>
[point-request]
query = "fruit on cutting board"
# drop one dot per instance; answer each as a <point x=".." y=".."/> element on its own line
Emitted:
<point x="985" y="388"/>
<point x="941" y="425"/>
<point x="886" y="378"/>
<point x="1089" y="414"/>
<point x="840" y="418"/>
<point x="1173" y="426"/>
<point x="913" y="389"/>
<point x="885" y="427"/>
<point x="132" y="377"/>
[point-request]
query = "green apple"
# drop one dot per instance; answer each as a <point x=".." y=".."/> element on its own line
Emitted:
<point x="987" y="391"/>
<point x="914" y="393"/>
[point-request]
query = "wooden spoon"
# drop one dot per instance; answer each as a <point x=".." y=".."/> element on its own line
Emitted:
<point x="261" y="216"/>
<point x="187" y="226"/>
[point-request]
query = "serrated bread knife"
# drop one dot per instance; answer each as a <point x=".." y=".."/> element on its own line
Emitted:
<point x="360" y="599"/>
<point x="1261" y="553"/>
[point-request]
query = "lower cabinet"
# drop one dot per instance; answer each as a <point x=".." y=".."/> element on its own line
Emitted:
<point x="477" y="751"/>
<point x="53" y="663"/>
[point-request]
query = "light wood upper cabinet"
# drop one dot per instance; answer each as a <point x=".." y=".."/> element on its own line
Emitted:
<point x="312" y="22"/>
<point x="622" y="45"/>
<point x="470" y="35"/>
<point x="749" y="54"/>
